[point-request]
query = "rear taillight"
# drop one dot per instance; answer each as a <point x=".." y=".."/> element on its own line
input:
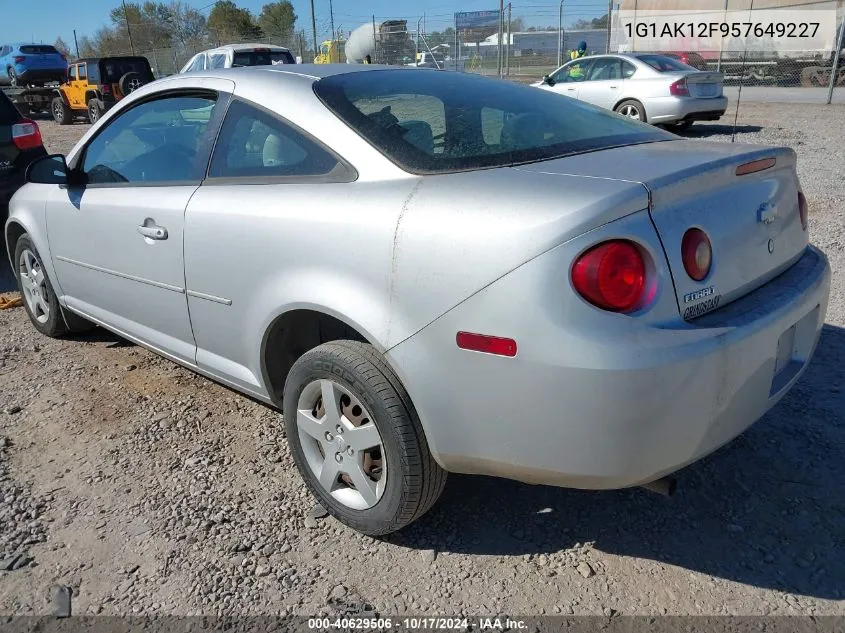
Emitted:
<point x="679" y="88"/>
<point x="611" y="276"/>
<point x="26" y="135"/>
<point x="803" y="210"/>
<point x="696" y="253"/>
<point x="105" y="89"/>
<point x="20" y="59"/>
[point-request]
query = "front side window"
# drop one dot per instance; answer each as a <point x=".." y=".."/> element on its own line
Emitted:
<point x="253" y="143"/>
<point x="82" y="71"/>
<point x="157" y="141"/>
<point x="573" y="71"/>
<point x="436" y="122"/>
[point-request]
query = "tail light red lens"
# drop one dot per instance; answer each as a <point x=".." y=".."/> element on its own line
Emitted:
<point x="20" y="59"/>
<point x="486" y="344"/>
<point x="105" y="89"/>
<point x="679" y="88"/>
<point x="803" y="210"/>
<point x="611" y="276"/>
<point x="696" y="253"/>
<point x="26" y="135"/>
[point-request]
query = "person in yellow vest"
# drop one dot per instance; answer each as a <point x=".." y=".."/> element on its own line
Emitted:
<point x="576" y="73"/>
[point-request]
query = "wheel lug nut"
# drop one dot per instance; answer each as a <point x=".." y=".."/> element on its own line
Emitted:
<point x="350" y="452"/>
<point x="329" y="436"/>
<point x="339" y="429"/>
<point x="338" y="457"/>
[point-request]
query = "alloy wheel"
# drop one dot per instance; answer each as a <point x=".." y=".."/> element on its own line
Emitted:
<point x="341" y="443"/>
<point x="630" y="111"/>
<point x="34" y="286"/>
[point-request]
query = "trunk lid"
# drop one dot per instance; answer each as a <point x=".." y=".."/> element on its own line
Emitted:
<point x="701" y="85"/>
<point x="752" y="220"/>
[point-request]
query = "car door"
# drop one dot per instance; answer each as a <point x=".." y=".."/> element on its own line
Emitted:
<point x="78" y="81"/>
<point x="603" y="84"/>
<point x="242" y="233"/>
<point x="568" y="79"/>
<point x="116" y="241"/>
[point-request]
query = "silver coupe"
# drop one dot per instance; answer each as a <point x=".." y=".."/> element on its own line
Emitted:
<point x="433" y="272"/>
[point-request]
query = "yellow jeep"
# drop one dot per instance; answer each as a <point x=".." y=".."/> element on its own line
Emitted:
<point x="93" y="85"/>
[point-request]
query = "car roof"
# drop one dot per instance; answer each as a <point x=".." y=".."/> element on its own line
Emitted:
<point x="99" y="59"/>
<point x="312" y="71"/>
<point x="247" y="47"/>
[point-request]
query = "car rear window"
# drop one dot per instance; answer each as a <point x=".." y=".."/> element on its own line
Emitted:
<point x="262" y="58"/>
<point x="38" y="49"/>
<point x="664" y="63"/>
<point x="429" y="121"/>
<point x="114" y="69"/>
<point x="8" y="113"/>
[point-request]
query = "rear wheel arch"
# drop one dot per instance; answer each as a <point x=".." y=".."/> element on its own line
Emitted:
<point x="91" y="94"/>
<point x="637" y="101"/>
<point x="295" y="332"/>
<point x="58" y="92"/>
<point x="13" y="233"/>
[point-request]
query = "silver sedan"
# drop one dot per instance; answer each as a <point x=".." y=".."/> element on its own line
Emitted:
<point x="432" y="271"/>
<point x="649" y="87"/>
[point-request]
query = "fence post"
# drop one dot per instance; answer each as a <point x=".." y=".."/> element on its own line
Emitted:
<point x="314" y="28"/>
<point x="609" y="16"/>
<point x="501" y="30"/>
<point x="834" y="68"/>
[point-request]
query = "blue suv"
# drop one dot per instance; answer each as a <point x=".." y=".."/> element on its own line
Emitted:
<point x="31" y="64"/>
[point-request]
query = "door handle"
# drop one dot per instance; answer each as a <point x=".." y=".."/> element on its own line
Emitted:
<point x="614" y="86"/>
<point x="153" y="231"/>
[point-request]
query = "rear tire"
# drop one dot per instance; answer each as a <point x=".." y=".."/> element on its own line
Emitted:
<point x="39" y="298"/>
<point x="94" y="111"/>
<point x="61" y="112"/>
<point x="361" y="383"/>
<point x="632" y="109"/>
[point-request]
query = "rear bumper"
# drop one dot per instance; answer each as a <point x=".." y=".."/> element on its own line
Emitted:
<point x="41" y="74"/>
<point x="586" y="407"/>
<point x="673" y="109"/>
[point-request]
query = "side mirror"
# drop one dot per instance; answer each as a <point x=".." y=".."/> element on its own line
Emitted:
<point x="547" y="79"/>
<point x="52" y="170"/>
<point x="49" y="170"/>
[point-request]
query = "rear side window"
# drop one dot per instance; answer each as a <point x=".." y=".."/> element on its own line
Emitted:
<point x="255" y="144"/>
<point x="662" y="63"/>
<point x="217" y="61"/>
<point x="431" y="122"/>
<point x="8" y="113"/>
<point x="38" y="49"/>
<point x="262" y="58"/>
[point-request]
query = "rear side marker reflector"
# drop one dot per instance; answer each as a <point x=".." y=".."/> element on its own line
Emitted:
<point x="486" y="344"/>
<point x="755" y="165"/>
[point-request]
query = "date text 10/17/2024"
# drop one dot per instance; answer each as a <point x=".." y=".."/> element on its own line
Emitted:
<point x="417" y="624"/>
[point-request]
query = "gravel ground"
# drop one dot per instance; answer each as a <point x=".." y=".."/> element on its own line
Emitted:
<point x="148" y="489"/>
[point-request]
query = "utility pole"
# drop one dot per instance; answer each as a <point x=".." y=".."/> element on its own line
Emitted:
<point x="128" y="30"/>
<point x="560" y="34"/>
<point x="331" y="18"/>
<point x="314" y="28"/>
<point x="501" y="33"/>
<point x="76" y="43"/>
<point x="508" y="45"/>
<point x="609" y="15"/>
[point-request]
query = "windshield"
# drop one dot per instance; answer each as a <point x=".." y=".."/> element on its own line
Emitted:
<point x="437" y="122"/>
<point x="262" y="58"/>
<point x="114" y="69"/>
<point x="663" y="63"/>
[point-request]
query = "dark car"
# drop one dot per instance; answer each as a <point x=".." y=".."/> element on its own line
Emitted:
<point x="20" y="144"/>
